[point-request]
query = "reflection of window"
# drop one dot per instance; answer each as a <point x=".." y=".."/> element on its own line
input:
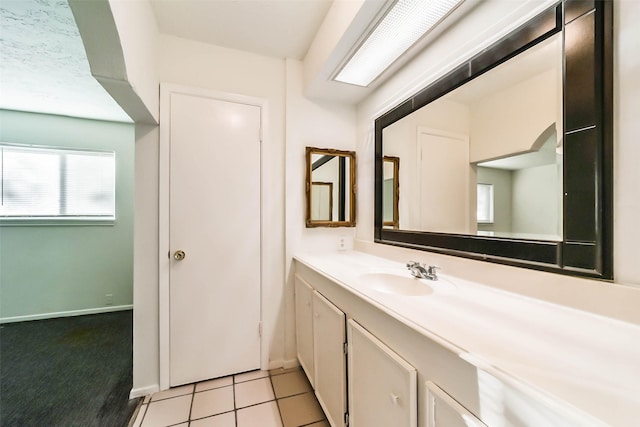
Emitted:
<point x="485" y="203"/>
<point x="56" y="183"/>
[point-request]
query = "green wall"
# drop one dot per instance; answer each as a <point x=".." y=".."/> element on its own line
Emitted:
<point x="69" y="268"/>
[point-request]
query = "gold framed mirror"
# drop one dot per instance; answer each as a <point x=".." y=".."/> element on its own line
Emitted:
<point x="330" y="188"/>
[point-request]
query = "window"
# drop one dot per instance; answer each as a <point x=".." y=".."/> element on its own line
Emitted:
<point x="48" y="183"/>
<point x="485" y="203"/>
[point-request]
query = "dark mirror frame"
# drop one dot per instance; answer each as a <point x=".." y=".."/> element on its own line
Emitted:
<point x="587" y="245"/>
<point x="349" y="219"/>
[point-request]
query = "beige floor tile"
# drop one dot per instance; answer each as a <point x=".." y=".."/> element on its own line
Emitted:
<point x="212" y="402"/>
<point x="320" y="424"/>
<point x="217" y="383"/>
<point x="280" y="371"/>
<point x="289" y="384"/>
<point x="139" y="416"/>
<point x="300" y="410"/>
<point x="248" y="376"/>
<point x="167" y="412"/>
<point x="173" y="392"/>
<point x="253" y="392"/>
<point x="223" y="420"/>
<point x="263" y="415"/>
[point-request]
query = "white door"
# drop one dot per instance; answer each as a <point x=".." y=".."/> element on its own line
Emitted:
<point x="443" y="162"/>
<point x="214" y="216"/>
<point x="330" y="380"/>
<point x="382" y="386"/>
<point x="304" y="326"/>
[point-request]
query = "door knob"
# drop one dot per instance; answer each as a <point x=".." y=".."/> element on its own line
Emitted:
<point x="179" y="255"/>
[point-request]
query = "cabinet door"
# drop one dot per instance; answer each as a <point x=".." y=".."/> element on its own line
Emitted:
<point x="382" y="386"/>
<point x="304" y="326"/>
<point x="444" y="411"/>
<point x="329" y="359"/>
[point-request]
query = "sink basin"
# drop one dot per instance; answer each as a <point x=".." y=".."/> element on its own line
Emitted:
<point x="395" y="284"/>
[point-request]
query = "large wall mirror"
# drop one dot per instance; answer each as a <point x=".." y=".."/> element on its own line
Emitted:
<point x="330" y="188"/>
<point x="508" y="158"/>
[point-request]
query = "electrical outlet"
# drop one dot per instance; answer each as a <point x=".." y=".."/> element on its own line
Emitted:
<point x="342" y="243"/>
<point x="108" y="299"/>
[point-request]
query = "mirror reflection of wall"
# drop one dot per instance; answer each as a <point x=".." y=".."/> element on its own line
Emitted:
<point x="330" y="187"/>
<point x="390" y="192"/>
<point x="527" y="192"/>
<point x="502" y="128"/>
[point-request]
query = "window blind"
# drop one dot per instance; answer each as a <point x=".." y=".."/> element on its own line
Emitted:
<point x="56" y="183"/>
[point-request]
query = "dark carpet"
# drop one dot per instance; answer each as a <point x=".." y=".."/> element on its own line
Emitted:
<point x="67" y="372"/>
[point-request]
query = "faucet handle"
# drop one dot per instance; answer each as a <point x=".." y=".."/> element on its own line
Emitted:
<point x="432" y="269"/>
<point x="431" y="272"/>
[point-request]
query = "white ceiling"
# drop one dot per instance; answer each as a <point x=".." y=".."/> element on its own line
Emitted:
<point x="276" y="28"/>
<point x="43" y="66"/>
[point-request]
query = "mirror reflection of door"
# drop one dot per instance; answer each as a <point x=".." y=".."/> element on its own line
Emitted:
<point x="322" y="201"/>
<point x="330" y="188"/>
<point x="512" y="118"/>
<point x="391" y="192"/>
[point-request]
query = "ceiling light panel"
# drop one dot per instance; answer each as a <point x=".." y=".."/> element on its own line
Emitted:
<point x="401" y="27"/>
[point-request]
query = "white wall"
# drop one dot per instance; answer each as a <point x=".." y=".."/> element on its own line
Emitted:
<point x="136" y="24"/>
<point x="314" y="124"/>
<point x="146" y="361"/>
<point x="620" y="299"/>
<point x="52" y="270"/>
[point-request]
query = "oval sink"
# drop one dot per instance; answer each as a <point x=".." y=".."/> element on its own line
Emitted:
<point x="396" y="284"/>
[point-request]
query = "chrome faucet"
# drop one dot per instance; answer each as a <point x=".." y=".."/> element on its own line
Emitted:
<point x="418" y="270"/>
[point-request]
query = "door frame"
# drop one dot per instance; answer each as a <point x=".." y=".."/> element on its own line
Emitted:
<point x="164" y="264"/>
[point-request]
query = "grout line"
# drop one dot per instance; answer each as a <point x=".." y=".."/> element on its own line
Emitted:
<point x="213" y="415"/>
<point x="235" y="411"/>
<point x="276" y="399"/>
<point x="193" y="393"/>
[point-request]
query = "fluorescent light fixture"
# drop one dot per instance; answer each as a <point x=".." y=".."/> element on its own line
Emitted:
<point x="402" y="26"/>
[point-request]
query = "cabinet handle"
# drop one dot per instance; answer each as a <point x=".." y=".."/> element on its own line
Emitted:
<point x="394" y="398"/>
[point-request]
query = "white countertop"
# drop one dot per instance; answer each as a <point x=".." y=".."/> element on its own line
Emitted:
<point x="588" y="361"/>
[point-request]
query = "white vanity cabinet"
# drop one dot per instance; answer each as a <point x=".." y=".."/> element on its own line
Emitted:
<point x="329" y="359"/>
<point x="382" y="386"/>
<point x="444" y="411"/>
<point x="477" y="363"/>
<point x="304" y="326"/>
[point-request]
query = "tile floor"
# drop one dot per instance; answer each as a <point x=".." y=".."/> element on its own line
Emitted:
<point x="276" y="398"/>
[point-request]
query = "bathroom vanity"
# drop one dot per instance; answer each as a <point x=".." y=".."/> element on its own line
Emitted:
<point x="382" y="348"/>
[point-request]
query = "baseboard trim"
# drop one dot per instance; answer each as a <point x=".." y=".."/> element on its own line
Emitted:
<point x="65" y="314"/>
<point x="144" y="391"/>
<point x="291" y="363"/>
<point x="283" y="364"/>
